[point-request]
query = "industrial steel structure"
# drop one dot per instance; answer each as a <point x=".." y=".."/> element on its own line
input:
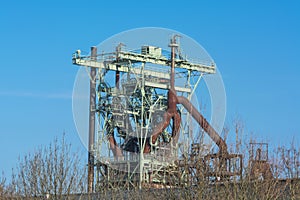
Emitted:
<point x="258" y="161"/>
<point x="140" y="107"/>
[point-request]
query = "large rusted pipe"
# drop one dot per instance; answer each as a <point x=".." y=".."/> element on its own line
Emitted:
<point x="171" y="112"/>
<point x="204" y="124"/>
<point x="91" y="158"/>
<point x="114" y="147"/>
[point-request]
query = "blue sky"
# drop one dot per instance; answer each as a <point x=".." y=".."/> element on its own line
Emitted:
<point x="255" y="44"/>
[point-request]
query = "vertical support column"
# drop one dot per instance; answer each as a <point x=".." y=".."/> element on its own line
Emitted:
<point x="142" y="137"/>
<point x="91" y="158"/>
<point x="118" y="49"/>
<point x="173" y="45"/>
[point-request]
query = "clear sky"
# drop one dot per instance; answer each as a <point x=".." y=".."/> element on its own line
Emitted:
<point x="255" y="43"/>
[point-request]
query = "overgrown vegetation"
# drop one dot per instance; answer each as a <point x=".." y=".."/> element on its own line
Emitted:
<point x="54" y="172"/>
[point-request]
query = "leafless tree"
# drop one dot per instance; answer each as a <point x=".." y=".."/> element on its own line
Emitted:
<point x="53" y="171"/>
<point x="286" y="162"/>
<point x="2" y="185"/>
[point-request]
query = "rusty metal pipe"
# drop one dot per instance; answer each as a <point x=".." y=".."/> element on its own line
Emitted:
<point x="91" y="159"/>
<point x="204" y="124"/>
<point x="115" y="148"/>
<point x="171" y="112"/>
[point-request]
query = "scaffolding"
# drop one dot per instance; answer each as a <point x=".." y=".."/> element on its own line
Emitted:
<point x="132" y="95"/>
